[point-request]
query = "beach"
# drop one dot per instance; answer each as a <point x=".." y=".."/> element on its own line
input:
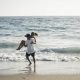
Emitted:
<point x="40" y="77"/>
<point x="42" y="71"/>
<point x="57" y="48"/>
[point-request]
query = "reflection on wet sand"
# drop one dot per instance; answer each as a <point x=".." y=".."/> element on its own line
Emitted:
<point x="29" y="69"/>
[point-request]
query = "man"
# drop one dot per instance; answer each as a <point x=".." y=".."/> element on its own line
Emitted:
<point x="22" y="43"/>
<point x="30" y="49"/>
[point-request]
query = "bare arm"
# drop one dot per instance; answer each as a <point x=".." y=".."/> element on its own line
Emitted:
<point x="25" y="44"/>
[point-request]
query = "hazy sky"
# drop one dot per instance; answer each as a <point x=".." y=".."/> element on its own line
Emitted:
<point x="39" y="7"/>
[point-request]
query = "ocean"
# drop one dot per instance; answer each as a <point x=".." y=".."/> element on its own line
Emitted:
<point x="58" y="38"/>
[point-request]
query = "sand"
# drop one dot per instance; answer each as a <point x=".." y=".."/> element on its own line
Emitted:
<point x="42" y="71"/>
<point x="39" y="77"/>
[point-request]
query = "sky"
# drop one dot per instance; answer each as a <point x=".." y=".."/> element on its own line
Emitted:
<point x="39" y="7"/>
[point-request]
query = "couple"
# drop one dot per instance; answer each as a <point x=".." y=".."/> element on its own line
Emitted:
<point x="29" y="44"/>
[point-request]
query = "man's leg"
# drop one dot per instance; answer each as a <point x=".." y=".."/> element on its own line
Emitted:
<point x="33" y="56"/>
<point x="22" y="43"/>
<point x="27" y="57"/>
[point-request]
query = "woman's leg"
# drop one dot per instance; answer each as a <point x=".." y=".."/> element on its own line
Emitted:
<point x="22" y="43"/>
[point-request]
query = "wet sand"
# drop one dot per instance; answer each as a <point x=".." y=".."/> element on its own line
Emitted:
<point x="39" y="77"/>
<point x="41" y="71"/>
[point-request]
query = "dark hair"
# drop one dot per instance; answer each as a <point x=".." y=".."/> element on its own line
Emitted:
<point x="33" y="33"/>
<point x="27" y="35"/>
<point x="36" y="34"/>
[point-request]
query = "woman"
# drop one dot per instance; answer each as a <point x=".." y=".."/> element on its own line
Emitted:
<point x="22" y="43"/>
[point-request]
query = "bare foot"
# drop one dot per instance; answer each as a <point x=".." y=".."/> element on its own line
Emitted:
<point x="29" y="64"/>
<point x="17" y="49"/>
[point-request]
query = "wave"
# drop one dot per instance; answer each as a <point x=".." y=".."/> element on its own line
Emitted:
<point x="7" y="34"/>
<point x="8" y="45"/>
<point x="16" y="56"/>
<point x="37" y="28"/>
<point x="62" y="50"/>
<point x="41" y="57"/>
<point x="45" y="50"/>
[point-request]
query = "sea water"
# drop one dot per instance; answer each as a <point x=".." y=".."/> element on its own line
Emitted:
<point x="58" y="38"/>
